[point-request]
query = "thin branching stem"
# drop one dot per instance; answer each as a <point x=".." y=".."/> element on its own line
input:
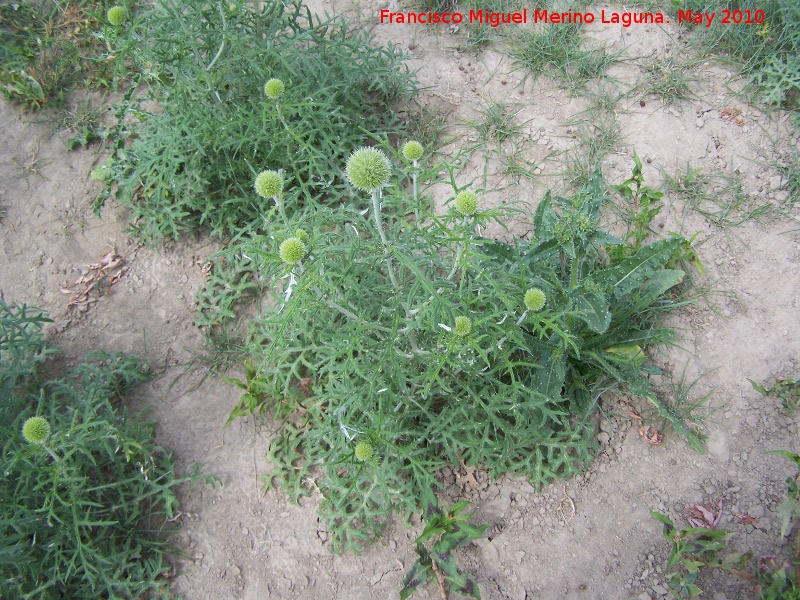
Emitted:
<point x="376" y="212"/>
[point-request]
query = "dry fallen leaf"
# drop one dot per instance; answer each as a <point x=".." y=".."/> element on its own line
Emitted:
<point x="103" y="274"/>
<point x="704" y="516"/>
<point x="747" y="519"/>
<point x="468" y="479"/>
<point x="651" y="435"/>
<point x="732" y="115"/>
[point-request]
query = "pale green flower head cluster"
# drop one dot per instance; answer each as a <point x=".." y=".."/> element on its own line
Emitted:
<point x="292" y="250"/>
<point x="117" y="15"/>
<point x="466" y="203"/>
<point x="269" y="184"/>
<point x="535" y="299"/>
<point x="368" y="169"/>
<point x="302" y="235"/>
<point x="462" y="326"/>
<point x="36" y="430"/>
<point x="412" y="150"/>
<point x="363" y="451"/>
<point x="274" y="89"/>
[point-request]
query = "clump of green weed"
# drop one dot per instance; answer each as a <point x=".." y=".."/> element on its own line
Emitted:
<point x="87" y="496"/>
<point x="562" y="52"/>
<point x="697" y="548"/>
<point x="191" y="166"/>
<point x="787" y="390"/>
<point x="51" y="47"/>
<point x="596" y="136"/>
<point x="452" y="532"/>
<point x="433" y="345"/>
<point x="667" y="79"/>
<point x="765" y="34"/>
<point x="719" y="197"/>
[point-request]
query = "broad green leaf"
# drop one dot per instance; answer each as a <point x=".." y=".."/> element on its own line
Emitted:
<point x="417" y="576"/>
<point x="549" y="379"/>
<point x="759" y="388"/>
<point x="795" y="458"/>
<point x="606" y="239"/>
<point x="470" y="588"/>
<point x="459" y="506"/>
<point x="236" y="382"/>
<point x="634" y="271"/>
<point x="544" y="218"/>
<point x="632" y="354"/>
<point x="658" y="284"/>
<point x="593" y="310"/>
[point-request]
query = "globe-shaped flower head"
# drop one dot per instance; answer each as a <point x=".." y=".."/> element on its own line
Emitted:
<point x="36" y="430"/>
<point x="274" y="89"/>
<point x="412" y="150"/>
<point x="292" y="251"/>
<point x="368" y="169"/>
<point x="116" y="15"/>
<point x="269" y="184"/>
<point x="535" y="299"/>
<point x="466" y="203"/>
<point x="363" y="451"/>
<point x="302" y="235"/>
<point x="462" y="326"/>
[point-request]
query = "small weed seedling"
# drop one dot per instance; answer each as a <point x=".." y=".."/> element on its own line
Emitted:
<point x="448" y="530"/>
<point x="786" y="390"/>
<point x="666" y="79"/>
<point x="644" y="202"/>
<point x="704" y="546"/>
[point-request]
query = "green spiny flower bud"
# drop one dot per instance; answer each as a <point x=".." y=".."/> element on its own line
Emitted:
<point x="36" y="430"/>
<point x="292" y="251"/>
<point x="412" y="150"/>
<point x="584" y="223"/>
<point x="462" y="326"/>
<point x="466" y="203"/>
<point x="274" y="89"/>
<point x="535" y="299"/>
<point x="301" y="235"/>
<point x="363" y="451"/>
<point x="269" y="184"/>
<point x="368" y="169"/>
<point x="116" y="15"/>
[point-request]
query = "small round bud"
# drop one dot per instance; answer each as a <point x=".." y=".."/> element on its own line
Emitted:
<point x="412" y="150"/>
<point x="232" y="8"/>
<point x="368" y="169"/>
<point x="116" y="15"/>
<point x="363" y="451"/>
<point x="584" y="224"/>
<point x="535" y="299"/>
<point x="274" y="89"/>
<point x="301" y="235"/>
<point x="466" y="203"/>
<point x="269" y="184"/>
<point x="36" y="430"/>
<point x="292" y="251"/>
<point x="462" y="326"/>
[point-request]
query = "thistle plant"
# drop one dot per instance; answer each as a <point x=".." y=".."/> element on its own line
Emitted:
<point x="116" y="15"/>
<point x="36" y="430"/>
<point x="274" y="89"/>
<point x="438" y="345"/>
<point x="413" y="151"/>
<point x="233" y="107"/>
<point x="92" y="520"/>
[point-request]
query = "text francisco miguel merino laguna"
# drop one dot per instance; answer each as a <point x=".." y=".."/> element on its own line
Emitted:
<point x="495" y="19"/>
